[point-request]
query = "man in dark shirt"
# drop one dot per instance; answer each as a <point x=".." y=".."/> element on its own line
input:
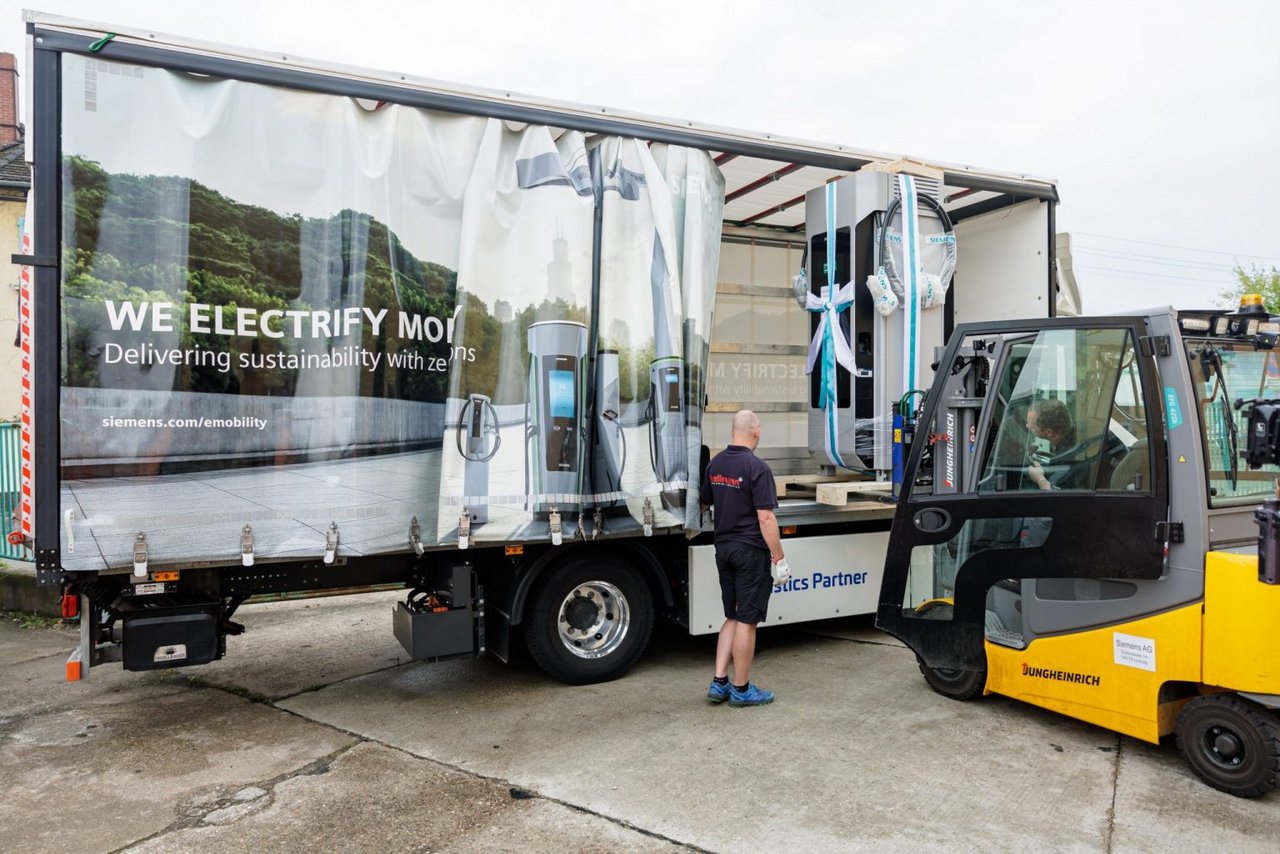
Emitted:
<point x="740" y="487"/>
<point x="1049" y="419"/>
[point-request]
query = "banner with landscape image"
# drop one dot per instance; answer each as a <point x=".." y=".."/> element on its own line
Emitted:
<point x="312" y="323"/>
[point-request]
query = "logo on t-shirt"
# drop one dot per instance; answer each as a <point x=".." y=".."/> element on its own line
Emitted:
<point x="721" y="480"/>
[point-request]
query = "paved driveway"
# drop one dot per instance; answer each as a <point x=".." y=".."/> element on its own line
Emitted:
<point x="316" y="732"/>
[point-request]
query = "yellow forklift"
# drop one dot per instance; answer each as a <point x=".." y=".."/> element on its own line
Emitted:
<point x="1088" y="522"/>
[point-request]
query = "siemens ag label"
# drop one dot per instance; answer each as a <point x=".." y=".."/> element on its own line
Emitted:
<point x="1172" y="412"/>
<point x="1134" y="651"/>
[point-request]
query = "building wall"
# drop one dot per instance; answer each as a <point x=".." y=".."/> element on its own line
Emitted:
<point x="11" y="213"/>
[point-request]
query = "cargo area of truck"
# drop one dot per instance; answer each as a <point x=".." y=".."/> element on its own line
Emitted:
<point x="758" y="350"/>
<point x="411" y="316"/>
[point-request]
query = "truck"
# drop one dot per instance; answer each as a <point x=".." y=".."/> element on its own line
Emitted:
<point x="291" y="328"/>
<point x="1127" y="574"/>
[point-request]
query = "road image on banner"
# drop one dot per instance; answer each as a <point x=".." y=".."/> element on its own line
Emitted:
<point x="259" y="291"/>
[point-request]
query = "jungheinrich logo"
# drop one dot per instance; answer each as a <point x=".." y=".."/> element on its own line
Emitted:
<point x="1061" y="675"/>
<point x="949" y="478"/>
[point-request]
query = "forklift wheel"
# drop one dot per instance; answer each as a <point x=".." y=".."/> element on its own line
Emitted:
<point x="1231" y="743"/>
<point x="956" y="684"/>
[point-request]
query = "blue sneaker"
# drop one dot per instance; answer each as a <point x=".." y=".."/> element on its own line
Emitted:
<point x="753" y="696"/>
<point x="718" y="693"/>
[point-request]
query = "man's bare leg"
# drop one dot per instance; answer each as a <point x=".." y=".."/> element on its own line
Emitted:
<point x="724" y="647"/>
<point x="744" y="650"/>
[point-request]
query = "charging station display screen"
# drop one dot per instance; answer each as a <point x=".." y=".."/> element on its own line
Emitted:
<point x="560" y="393"/>
<point x="671" y="383"/>
<point x="561" y="436"/>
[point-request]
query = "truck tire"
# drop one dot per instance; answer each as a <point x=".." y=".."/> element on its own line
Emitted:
<point x="1232" y="744"/>
<point x="589" y="619"/>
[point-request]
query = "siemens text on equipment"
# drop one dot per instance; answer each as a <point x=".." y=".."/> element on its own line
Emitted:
<point x="205" y="319"/>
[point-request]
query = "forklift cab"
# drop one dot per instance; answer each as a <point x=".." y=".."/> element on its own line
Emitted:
<point x="1079" y="529"/>
<point x="1034" y="433"/>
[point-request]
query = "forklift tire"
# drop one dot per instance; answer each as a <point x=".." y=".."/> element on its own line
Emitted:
<point x="1232" y="744"/>
<point x="589" y="620"/>
<point x="961" y="685"/>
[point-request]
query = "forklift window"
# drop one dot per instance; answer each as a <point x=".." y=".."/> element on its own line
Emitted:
<point x="931" y="580"/>
<point x="1224" y="372"/>
<point x="1067" y="414"/>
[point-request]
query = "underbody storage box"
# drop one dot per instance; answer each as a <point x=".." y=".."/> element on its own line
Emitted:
<point x="171" y="636"/>
<point x="427" y="634"/>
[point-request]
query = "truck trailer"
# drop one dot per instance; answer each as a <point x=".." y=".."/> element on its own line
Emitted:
<point x="292" y="327"/>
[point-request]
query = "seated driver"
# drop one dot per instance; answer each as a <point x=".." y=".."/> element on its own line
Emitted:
<point x="1049" y="419"/>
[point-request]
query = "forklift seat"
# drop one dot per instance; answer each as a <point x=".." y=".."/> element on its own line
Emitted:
<point x="1134" y="464"/>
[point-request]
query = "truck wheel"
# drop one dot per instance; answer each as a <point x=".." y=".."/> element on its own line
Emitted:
<point x="1231" y="744"/>
<point x="956" y="684"/>
<point x="589" y="620"/>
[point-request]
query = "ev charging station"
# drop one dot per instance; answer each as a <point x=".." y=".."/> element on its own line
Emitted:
<point x="478" y="439"/>
<point x="892" y="338"/>
<point x="557" y="403"/>
<point x="611" y="439"/>
<point x="667" y="427"/>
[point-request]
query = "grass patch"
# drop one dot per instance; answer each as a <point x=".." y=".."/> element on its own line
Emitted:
<point x="24" y="620"/>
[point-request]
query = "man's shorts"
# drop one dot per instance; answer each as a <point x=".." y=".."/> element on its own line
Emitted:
<point x="745" y="581"/>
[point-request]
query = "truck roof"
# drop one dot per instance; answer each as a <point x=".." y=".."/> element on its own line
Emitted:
<point x="766" y="174"/>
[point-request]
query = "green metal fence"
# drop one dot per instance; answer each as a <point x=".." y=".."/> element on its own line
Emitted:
<point x="10" y="487"/>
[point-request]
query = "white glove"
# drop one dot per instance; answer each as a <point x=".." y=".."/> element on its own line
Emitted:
<point x="780" y="571"/>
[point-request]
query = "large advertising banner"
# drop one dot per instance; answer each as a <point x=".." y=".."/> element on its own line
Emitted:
<point x="306" y="325"/>
<point x="258" y="299"/>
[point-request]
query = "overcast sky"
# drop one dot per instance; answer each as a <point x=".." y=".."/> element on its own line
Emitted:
<point x="1160" y="120"/>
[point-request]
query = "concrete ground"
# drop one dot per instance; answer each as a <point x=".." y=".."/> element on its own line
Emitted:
<point x="316" y="732"/>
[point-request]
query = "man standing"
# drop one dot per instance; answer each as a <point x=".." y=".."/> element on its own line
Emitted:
<point x="740" y="486"/>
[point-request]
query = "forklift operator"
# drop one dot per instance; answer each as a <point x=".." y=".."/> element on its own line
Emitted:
<point x="1049" y="419"/>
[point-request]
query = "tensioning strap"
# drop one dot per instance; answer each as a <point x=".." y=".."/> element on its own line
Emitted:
<point x="912" y="274"/>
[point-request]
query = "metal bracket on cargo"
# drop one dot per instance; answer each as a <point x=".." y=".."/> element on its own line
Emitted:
<point x="582" y="525"/>
<point x="48" y="567"/>
<point x="597" y="522"/>
<point x="415" y="536"/>
<point x="648" y="518"/>
<point x="140" y="555"/>
<point x="553" y="524"/>
<point x="464" y="529"/>
<point x="246" y="546"/>
<point x="34" y="260"/>
<point x="331" y="543"/>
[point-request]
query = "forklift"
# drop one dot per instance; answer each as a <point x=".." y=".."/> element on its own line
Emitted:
<point x="1088" y="522"/>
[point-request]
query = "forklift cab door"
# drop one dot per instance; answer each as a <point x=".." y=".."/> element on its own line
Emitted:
<point x="1040" y="454"/>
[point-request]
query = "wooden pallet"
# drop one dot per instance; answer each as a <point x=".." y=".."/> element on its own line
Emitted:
<point x="803" y="483"/>
<point x="837" y="494"/>
<point x="836" y="490"/>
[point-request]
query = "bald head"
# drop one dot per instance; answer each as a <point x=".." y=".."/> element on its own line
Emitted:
<point x="745" y="429"/>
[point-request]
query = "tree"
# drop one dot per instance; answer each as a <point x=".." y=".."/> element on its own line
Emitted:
<point x="1255" y="280"/>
